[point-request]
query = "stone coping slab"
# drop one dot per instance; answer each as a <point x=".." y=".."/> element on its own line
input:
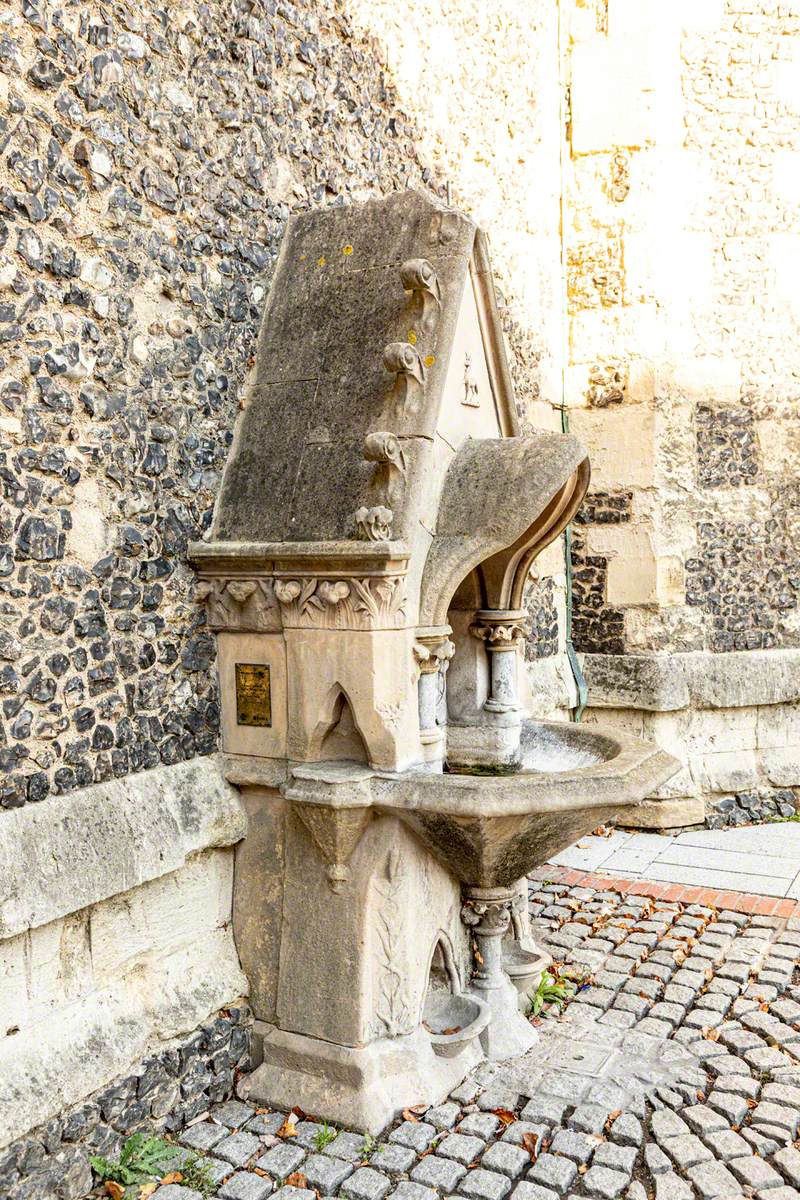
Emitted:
<point x="698" y="679"/>
<point x="71" y="851"/>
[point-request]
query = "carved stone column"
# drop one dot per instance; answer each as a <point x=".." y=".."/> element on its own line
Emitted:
<point x="487" y="914"/>
<point x="433" y="651"/>
<point x="500" y="630"/>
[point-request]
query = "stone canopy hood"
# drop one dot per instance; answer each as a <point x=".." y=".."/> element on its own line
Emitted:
<point x="381" y="431"/>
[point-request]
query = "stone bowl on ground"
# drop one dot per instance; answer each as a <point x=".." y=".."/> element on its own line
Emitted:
<point x="453" y="1020"/>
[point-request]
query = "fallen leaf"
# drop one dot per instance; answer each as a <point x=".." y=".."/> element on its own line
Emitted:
<point x="173" y="1177"/>
<point x="147" y="1189"/>
<point x="115" y="1190"/>
<point x="583" y="1168"/>
<point x="711" y="1035"/>
<point x="410" y="1115"/>
<point x="452" y="1029"/>
<point x="297" y="1179"/>
<point x="298" y="1112"/>
<point x="287" y="1129"/>
<point x="529" y="1142"/>
<point x="612" y="1116"/>
<point x="505" y="1114"/>
<point x="701" y="1096"/>
<point x="261" y="1172"/>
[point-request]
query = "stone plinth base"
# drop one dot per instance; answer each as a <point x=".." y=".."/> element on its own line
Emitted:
<point x="359" y="1087"/>
<point x="733" y="720"/>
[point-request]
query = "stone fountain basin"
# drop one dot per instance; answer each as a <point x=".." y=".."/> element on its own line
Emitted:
<point x="491" y="830"/>
<point x="453" y="1020"/>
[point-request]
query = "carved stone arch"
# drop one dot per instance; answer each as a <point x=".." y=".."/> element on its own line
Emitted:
<point x="337" y="735"/>
<point x="503" y="501"/>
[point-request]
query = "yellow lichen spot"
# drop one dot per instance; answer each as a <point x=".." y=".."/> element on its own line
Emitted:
<point x="321" y="261"/>
<point x="412" y="337"/>
<point x="429" y="360"/>
<point x="348" y="249"/>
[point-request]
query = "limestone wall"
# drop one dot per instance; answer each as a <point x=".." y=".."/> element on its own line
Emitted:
<point x="684" y="346"/>
<point x="683" y="363"/>
<point x="115" y="945"/>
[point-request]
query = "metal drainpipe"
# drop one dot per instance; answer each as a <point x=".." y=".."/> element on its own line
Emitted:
<point x="575" y="666"/>
<point x="564" y="81"/>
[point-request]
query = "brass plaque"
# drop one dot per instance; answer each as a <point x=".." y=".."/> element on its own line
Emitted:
<point x="253" y="703"/>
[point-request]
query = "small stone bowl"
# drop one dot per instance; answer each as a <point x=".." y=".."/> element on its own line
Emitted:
<point x="524" y="968"/>
<point x="453" y="1021"/>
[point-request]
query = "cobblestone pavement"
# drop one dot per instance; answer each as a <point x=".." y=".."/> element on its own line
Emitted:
<point x="674" y="1074"/>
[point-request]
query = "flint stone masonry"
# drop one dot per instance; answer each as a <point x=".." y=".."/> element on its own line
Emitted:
<point x="135" y="272"/>
<point x="162" y="1093"/>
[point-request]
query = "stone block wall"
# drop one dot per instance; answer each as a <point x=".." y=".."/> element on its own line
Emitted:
<point x="680" y="185"/>
<point x="116" y="947"/>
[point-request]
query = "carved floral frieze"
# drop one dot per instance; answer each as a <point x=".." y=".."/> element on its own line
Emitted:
<point x="268" y="605"/>
<point x="247" y="604"/>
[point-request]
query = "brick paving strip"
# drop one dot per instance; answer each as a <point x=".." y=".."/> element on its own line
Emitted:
<point x="674" y="1074"/>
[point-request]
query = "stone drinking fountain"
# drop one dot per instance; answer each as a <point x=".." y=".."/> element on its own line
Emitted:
<point x="378" y="519"/>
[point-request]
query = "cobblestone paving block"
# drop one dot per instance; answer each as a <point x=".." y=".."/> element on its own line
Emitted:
<point x="665" y="1124"/>
<point x="417" y="1135"/>
<point x="325" y="1173"/>
<point x="713" y="1179"/>
<point x="670" y="1186"/>
<point x="281" y="1160"/>
<point x="570" y="1144"/>
<point x="730" y="1107"/>
<point x="516" y="1132"/>
<point x="289" y="1192"/>
<point x="406" y="1190"/>
<point x="460" y="1147"/>
<point x="482" y="1124"/>
<point x="392" y="1158"/>
<point x="617" y="1158"/>
<point x="484" y="1185"/>
<point x="349" y="1146"/>
<point x="533" y="1191"/>
<point x="755" y="1173"/>
<point x="204" y="1136"/>
<point x="589" y="1118"/>
<point x="308" y="1133"/>
<point x="365" y="1184"/>
<point x="238" y="1148"/>
<point x="605" y="1183"/>
<point x="702" y="1119"/>
<point x="554" y="1172"/>
<point x="265" y="1123"/>
<point x="244" y="1185"/>
<point x="232" y="1113"/>
<point x="544" y="1110"/>
<point x="787" y="1162"/>
<point x="686" y="1150"/>
<point x="444" y="1174"/>
<point x="444" y="1116"/>
<point x="509" y="1160"/>
<point x="726" y="1144"/>
<point x="656" y="1161"/>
